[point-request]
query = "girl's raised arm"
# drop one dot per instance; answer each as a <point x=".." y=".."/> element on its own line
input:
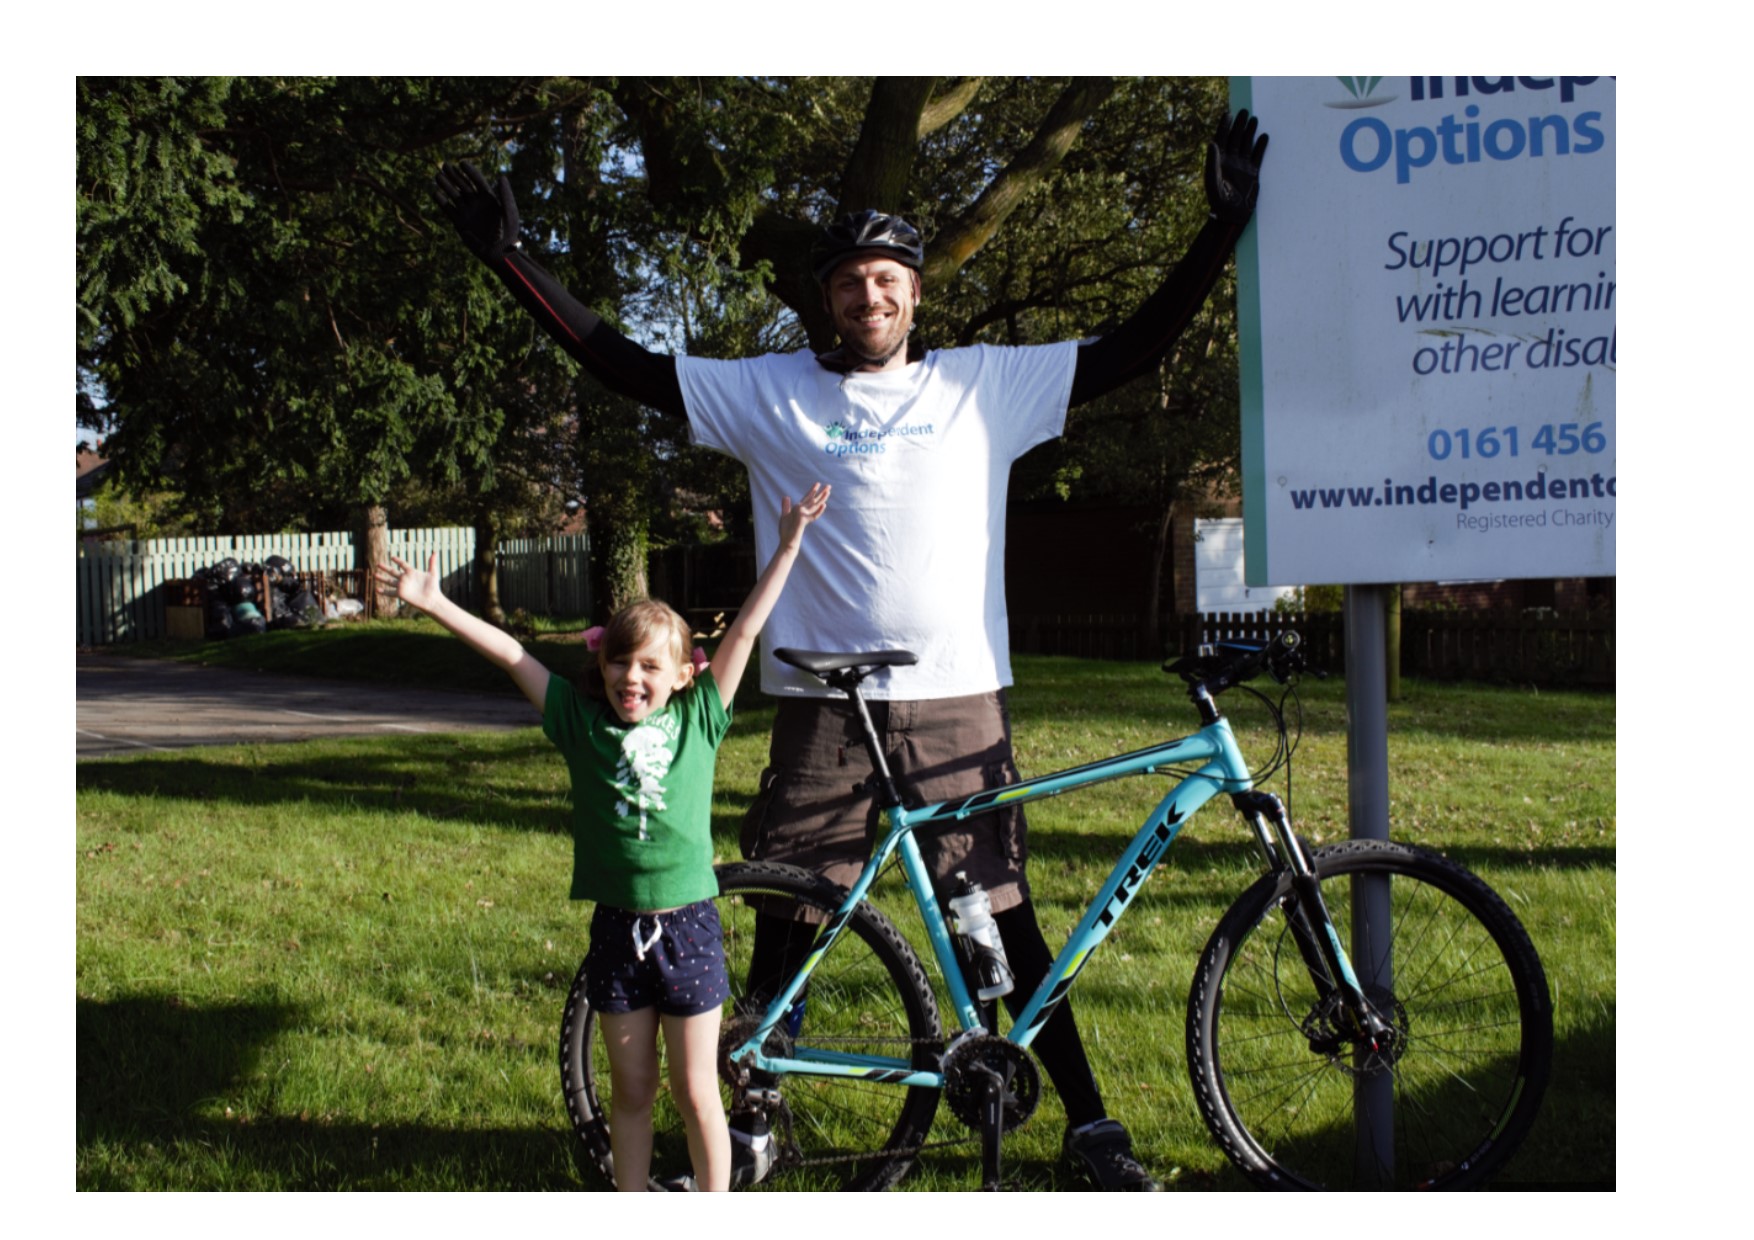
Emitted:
<point x="420" y="588"/>
<point x="738" y="643"/>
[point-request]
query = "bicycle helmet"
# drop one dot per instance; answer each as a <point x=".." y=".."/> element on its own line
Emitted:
<point x="858" y="232"/>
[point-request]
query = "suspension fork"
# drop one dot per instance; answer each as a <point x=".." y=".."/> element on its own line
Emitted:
<point x="1306" y="913"/>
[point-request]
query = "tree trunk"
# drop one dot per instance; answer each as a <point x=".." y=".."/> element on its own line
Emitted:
<point x="371" y="547"/>
<point x="615" y="459"/>
<point x="618" y="562"/>
<point x="484" y="569"/>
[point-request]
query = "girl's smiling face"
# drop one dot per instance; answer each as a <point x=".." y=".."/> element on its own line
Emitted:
<point x="641" y="682"/>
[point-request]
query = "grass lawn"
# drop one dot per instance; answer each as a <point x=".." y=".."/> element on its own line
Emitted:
<point x="341" y="964"/>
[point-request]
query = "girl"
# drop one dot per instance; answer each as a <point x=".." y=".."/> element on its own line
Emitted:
<point x="641" y="762"/>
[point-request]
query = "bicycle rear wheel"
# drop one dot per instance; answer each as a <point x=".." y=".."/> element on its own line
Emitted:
<point x="1275" y="1076"/>
<point x="868" y="996"/>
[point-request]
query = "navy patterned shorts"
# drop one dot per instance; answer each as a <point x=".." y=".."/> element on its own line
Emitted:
<point x="673" y="961"/>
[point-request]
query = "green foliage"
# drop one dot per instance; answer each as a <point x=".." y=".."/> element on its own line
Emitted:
<point x="314" y="345"/>
<point x="1311" y="599"/>
<point x="148" y="185"/>
<point x="152" y="515"/>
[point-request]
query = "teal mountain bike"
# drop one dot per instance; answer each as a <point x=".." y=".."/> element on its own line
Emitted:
<point x="1366" y="1014"/>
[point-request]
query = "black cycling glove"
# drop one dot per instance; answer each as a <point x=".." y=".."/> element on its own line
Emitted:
<point x="486" y="217"/>
<point x="1233" y="169"/>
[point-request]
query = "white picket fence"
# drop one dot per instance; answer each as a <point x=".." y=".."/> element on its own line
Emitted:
<point x="120" y="584"/>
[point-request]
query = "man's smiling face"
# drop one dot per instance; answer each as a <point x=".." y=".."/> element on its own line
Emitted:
<point x="872" y="301"/>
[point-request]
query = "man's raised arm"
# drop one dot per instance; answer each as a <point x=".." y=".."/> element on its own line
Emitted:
<point x="486" y="217"/>
<point x="1233" y="171"/>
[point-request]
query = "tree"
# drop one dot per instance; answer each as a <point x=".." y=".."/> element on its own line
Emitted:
<point x="959" y="157"/>
<point x="261" y="303"/>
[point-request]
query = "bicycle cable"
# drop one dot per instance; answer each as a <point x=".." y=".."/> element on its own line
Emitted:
<point x="1288" y="736"/>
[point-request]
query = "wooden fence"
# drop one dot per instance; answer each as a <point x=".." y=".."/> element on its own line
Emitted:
<point x="1537" y="647"/>
<point x="120" y="585"/>
<point x="1528" y="647"/>
<point x="546" y="576"/>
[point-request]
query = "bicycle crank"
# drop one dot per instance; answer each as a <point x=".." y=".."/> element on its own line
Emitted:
<point x="970" y="1066"/>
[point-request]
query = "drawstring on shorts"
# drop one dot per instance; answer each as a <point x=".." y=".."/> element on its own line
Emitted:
<point x="642" y="945"/>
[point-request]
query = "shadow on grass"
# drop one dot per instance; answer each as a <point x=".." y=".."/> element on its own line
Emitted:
<point x="1053" y="688"/>
<point x="417" y="774"/>
<point x="1571" y="1145"/>
<point x="386" y="653"/>
<point x="147" y="1065"/>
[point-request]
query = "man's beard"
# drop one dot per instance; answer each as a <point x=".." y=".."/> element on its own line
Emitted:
<point x="877" y="360"/>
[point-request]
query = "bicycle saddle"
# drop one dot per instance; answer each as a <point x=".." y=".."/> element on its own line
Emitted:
<point x="821" y="663"/>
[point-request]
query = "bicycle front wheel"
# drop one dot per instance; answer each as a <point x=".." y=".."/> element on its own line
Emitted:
<point x="1451" y="1092"/>
<point x="868" y="997"/>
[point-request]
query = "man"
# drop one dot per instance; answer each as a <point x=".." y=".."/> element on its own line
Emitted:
<point x="918" y="446"/>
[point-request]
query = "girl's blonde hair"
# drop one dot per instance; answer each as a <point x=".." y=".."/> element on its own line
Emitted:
<point x="630" y="629"/>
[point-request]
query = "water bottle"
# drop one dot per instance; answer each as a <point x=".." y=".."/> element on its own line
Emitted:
<point x="971" y="917"/>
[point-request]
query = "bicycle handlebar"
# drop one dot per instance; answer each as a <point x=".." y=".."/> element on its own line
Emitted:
<point x="1225" y="665"/>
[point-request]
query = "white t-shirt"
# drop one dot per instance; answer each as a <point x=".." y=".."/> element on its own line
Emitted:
<point x="911" y="552"/>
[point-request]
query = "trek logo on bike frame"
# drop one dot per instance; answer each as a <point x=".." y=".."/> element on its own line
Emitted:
<point x="1142" y="864"/>
<point x="1146" y="858"/>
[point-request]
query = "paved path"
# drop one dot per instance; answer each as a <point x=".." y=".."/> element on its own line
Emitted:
<point x="154" y="705"/>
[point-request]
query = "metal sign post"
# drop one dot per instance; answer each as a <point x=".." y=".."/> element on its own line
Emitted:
<point x="1367" y="767"/>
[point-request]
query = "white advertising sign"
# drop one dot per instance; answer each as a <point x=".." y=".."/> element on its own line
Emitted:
<point x="1427" y="302"/>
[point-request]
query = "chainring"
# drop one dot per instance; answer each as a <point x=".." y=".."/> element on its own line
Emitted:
<point x="967" y="1066"/>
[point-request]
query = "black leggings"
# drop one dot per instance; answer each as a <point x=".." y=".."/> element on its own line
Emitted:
<point x="781" y="946"/>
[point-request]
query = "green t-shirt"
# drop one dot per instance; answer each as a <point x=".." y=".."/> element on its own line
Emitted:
<point x="642" y="796"/>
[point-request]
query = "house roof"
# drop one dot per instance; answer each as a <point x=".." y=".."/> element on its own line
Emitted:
<point x="90" y="474"/>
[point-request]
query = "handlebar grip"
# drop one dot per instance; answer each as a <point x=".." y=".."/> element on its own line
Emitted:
<point x="1283" y="655"/>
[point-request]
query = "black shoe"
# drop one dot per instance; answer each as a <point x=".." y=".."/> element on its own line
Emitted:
<point x="1103" y="1153"/>
<point x="673" y="1184"/>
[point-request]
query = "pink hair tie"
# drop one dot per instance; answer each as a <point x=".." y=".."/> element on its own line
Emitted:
<point x="593" y="638"/>
<point x="701" y="662"/>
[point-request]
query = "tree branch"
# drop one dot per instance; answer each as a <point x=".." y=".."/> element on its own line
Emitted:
<point x="947" y="107"/>
<point x="661" y="133"/>
<point x="877" y="172"/>
<point x="957" y="241"/>
<point x="784" y="243"/>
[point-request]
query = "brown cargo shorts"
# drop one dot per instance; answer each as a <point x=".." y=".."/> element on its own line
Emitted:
<point x="815" y="809"/>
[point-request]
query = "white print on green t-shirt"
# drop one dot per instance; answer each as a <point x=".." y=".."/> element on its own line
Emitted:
<point x="646" y="755"/>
